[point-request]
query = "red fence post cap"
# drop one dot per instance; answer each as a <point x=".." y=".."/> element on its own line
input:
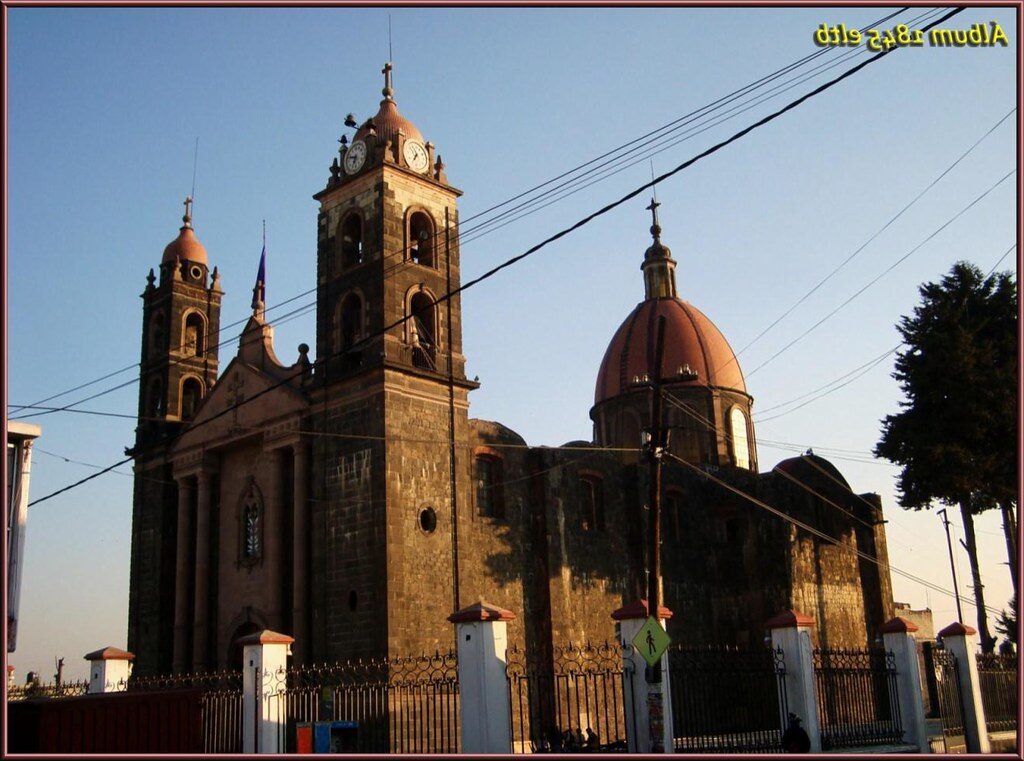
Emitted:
<point x="898" y="625"/>
<point x="788" y="619"/>
<point x="110" y="654"/>
<point x="481" y="611"/>
<point x="638" y="609"/>
<point x="957" y="629"/>
<point x="265" y="637"/>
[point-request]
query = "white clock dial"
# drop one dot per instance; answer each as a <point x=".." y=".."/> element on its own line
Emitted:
<point x="355" y="156"/>
<point x="415" y="155"/>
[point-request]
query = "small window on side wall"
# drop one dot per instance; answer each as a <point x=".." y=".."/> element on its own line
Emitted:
<point x="351" y="241"/>
<point x="738" y="431"/>
<point x="592" y="503"/>
<point x="490" y="496"/>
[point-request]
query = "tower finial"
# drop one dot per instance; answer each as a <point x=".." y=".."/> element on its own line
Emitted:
<point x="388" y="90"/>
<point x="187" y="219"/>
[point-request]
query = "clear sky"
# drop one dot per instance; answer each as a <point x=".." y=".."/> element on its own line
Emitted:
<point x="104" y="107"/>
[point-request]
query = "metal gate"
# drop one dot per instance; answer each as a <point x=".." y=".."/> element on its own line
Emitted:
<point x="858" y="704"/>
<point x="728" y="700"/>
<point x="951" y="708"/>
<point x="574" y="703"/>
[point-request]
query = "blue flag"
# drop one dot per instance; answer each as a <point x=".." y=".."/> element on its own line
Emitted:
<point x="259" y="293"/>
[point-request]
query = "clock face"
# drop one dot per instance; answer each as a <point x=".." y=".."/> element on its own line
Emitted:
<point x="415" y="155"/>
<point x="355" y="156"/>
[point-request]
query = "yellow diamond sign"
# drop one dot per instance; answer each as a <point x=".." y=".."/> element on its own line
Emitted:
<point x="651" y="641"/>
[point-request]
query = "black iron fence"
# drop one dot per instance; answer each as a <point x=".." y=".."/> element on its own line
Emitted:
<point x="572" y="704"/>
<point x="28" y="690"/>
<point x="400" y="705"/>
<point x="221" y="704"/>
<point x="727" y="700"/>
<point x="858" y="703"/>
<point x="949" y="698"/>
<point x="997" y="675"/>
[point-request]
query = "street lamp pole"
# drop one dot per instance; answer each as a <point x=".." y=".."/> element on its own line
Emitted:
<point x="952" y="565"/>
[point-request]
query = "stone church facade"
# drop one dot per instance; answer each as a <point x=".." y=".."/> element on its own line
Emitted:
<point x="321" y="498"/>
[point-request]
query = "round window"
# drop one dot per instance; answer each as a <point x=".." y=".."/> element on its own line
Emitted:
<point x="428" y="520"/>
<point x="196" y="272"/>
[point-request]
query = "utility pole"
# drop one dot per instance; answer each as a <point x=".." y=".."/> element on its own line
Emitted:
<point x="655" y="449"/>
<point x="952" y="565"/>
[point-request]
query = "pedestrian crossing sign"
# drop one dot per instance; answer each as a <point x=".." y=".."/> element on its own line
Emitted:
<point x="651" y="641"/>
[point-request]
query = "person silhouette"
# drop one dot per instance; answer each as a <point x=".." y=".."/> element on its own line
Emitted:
<point x="650" y="642"/>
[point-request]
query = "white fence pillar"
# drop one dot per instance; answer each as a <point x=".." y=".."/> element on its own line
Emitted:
<point x="264" y="662"/>
<point x="482" y="637"/>
<point x="961" y="642"/>
<point x="898" y="636"/>
<point x="639" y="699"/>
<point x="109" y="669"/>
<point x="791" y="631"/>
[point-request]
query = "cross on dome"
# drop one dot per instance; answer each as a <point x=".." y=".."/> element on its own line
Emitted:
<point x="187" y="219"/>
<point x="388" y="90"/>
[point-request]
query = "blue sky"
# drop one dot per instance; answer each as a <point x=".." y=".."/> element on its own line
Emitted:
<point x="104" y="107"/>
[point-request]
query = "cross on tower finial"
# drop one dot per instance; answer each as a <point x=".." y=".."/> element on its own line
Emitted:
<point x="655" y="227"/>
<point x="388" y="91"/>
<point x="187" y="219"/>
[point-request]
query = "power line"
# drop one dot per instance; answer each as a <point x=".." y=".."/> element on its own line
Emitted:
<point x="557" y="236"/>
<point x="886" y="271"/>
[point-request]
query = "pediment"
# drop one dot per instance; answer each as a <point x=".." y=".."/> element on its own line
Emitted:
<point x="245" y="401"/>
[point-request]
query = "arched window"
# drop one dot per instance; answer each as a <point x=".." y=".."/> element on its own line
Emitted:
<point x="251" y="524"/>
<point x="592" y="503"/>
<point x="490" y="496"/>
<point x="738" y="431"/>
<point x="351" y="320"/>
<point x="191" y="395"/>
<point x="155" y="398"/>
<point x="421" y="238"/>
<point x="194" y="343"/>
<point x="422" y="330"/>
<point x="352" y="241"/>
<point x="156" y="333"/>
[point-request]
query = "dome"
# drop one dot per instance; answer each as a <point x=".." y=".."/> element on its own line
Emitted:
<point x="814" y="470"/>
<point x="388" y="122"/>
<point x="185" y="246"/>
<point x="690" y="339"/>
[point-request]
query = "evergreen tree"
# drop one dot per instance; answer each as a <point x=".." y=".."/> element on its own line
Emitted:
<point x="956" y="436"/>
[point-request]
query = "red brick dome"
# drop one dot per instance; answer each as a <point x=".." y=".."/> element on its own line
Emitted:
<point x="388" y="122"/>
<point x="186" y="246"/>
<point x="690" y="339"/>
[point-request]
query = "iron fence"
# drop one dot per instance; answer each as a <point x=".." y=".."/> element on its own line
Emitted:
<point x="220" y="704"/>
<point x="400" y="705"/>
<point x="574" y="703"/>
<point x="999" y="694"/>
<point x="950" y="700"/>
<point x="857" y="698"/>
<point x="16" y="692"/>
<point x="727" y="700"/>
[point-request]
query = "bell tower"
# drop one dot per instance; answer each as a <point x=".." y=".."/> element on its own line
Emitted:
<point x="180" y="334"/>
<point x="390" y="390"/>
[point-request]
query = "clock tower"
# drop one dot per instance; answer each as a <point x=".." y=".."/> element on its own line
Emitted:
<point x="390" y="396"/>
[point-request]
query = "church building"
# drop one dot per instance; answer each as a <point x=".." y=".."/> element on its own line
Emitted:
<point x="349" y="500"/>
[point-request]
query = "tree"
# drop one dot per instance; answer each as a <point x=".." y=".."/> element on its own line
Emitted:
<point x="1006" y="621"/>
<point x="956" y="436"/>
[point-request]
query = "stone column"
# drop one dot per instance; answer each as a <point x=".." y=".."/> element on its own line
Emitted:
<point x="960" y="640"/>
<point x="264" y="664"/>
<point x="272" y="544"/>
<point x="300" y="557"/>
<point x="109" y="670"/>
<point x="638" y="699"/>
<point x="480" y="632"/>
<point x="182" y="575"/>
<point x="792" y="632"/>
<point x="898" y="636"/>
<point x="200" y="639"/>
